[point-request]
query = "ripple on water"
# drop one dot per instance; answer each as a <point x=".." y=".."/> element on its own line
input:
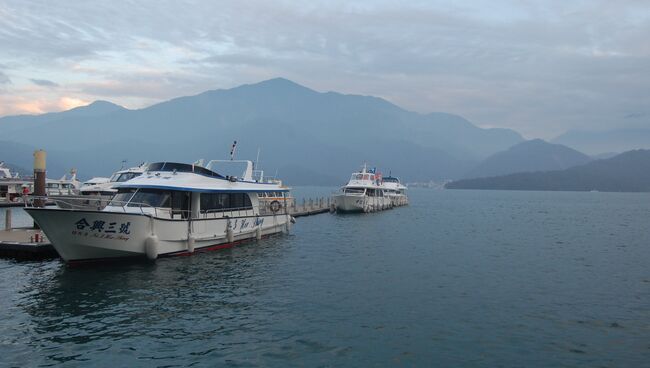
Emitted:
<point x="458" y="278"/>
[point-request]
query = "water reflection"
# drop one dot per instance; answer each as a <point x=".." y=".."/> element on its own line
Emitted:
<point x="189" y="299"/>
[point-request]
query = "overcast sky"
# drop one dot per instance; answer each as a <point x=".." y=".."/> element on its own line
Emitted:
<point x="539" y="67"/>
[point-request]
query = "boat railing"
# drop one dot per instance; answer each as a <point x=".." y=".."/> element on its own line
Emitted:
<point x="93" y="203"/>
<point x="98" y="203"/>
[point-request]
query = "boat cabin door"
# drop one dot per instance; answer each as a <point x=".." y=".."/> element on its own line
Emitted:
<point x="180" y="205"/>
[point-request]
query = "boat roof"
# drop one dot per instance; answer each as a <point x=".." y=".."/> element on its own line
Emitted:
<point x="193" y="178"/>
<point x="242" y="169"/>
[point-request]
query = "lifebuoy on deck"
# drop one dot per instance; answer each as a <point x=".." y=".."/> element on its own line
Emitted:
<point x="275" y="206"/>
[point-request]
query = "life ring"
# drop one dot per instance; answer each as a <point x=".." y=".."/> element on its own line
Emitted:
<point x="274" y="206"/>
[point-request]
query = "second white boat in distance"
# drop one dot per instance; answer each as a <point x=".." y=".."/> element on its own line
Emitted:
<point x="395" y="190"/>
<point x="171" y="209"/>
<point x="363" y="193"/>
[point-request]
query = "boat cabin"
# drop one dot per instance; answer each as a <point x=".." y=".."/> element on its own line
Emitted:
<point x="183" y="191"/>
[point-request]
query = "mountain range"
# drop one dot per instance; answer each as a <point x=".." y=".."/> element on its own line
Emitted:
<point x="533" y="155"/>
<point x="627" y="172"/>
<point x="308" y="136"/>
<point x="599" y="142"/>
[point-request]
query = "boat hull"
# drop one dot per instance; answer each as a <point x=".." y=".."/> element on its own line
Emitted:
<point x="398" y="200"/>
<point x="93" y="235"/>
<point x="355" y="203"/>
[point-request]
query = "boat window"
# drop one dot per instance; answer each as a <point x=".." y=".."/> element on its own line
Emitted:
<point x="354" y="190"/>
<point x="179" y="167"/>
<point x="151" y="197"/>
<point x="127" y="176"/>
<point x="157" y="166"/>
<point x="237" y="200"/>
<point x="122" y="197"/>
<point x="206" y="172"/>
<point x="214" y="202"/>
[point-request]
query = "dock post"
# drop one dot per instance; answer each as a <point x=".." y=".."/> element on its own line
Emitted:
<point x="39" y="177"/>
<point x="8" y="219"/>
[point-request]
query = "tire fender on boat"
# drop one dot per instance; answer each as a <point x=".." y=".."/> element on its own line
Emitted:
<point x="151" y="247"/>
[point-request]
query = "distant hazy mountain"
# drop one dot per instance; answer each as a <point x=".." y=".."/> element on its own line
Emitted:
<point x="597" y="142"/>
<point x="606" y="155"/>
<point x="295" y="127"/>
<point x="627" y="172"/>
<point x="533" y="155"/>
<point x="21" y="156"/>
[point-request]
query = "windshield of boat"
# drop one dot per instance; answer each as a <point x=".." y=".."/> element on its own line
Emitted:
<point x="122" y="197"/>
<point x="118" y="178"/>
<point x="354" y="190"/>
<point x="151" y="197"/>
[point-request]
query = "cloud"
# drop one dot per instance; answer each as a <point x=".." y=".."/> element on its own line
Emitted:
<point x="17" y="105"/>
<point x="44" y="83"/>
<point x="538" y="67"/>
<point x="4" y="79"/>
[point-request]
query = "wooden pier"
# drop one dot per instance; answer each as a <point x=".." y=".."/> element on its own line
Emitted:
<point x="310" y="207"/>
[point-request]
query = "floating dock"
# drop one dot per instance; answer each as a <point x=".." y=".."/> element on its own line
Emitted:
<point x="310" y="207"/>
<point x="25" y="244"/>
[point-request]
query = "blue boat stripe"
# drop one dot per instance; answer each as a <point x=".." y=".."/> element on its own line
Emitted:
<point x="204" y="190"/>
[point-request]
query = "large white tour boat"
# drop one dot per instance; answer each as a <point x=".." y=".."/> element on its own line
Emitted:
<point x="363" y="193"/>
<point x="171" y="209"/>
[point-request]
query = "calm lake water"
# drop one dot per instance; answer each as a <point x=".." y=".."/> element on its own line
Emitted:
<point x="459" y="278"/>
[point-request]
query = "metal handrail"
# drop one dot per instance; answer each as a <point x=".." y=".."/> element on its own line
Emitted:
<point x="84" y="202"/>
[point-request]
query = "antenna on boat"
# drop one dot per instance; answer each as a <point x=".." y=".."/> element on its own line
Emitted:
<point x="232" y="150"/>
<point x="123" y="164"/>
<point x="257" y="159"/>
